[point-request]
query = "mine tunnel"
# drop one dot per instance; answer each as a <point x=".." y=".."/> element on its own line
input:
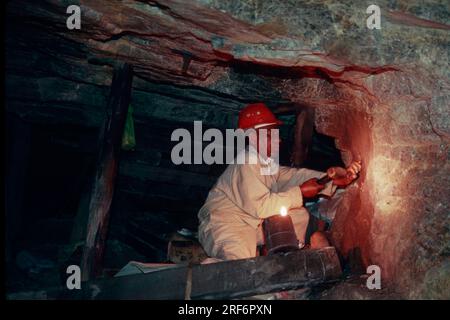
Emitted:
<point x="90" y="115"/>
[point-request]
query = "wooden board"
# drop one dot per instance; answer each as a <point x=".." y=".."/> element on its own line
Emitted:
<point x="223" y="280"/>
<point x="104" y="182"/>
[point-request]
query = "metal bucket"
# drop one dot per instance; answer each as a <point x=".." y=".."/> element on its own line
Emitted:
<point x="279" y="234"/>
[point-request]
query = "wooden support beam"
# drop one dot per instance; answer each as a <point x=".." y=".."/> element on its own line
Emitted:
<point x="103" y="185"/>
<point x="167" y="175"/>
<point x="223" y="280"/>
<point x="303" y="136"/>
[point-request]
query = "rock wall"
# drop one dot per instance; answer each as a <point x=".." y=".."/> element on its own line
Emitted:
<point x="410" y="181"/>
<point x="395" y="119"/>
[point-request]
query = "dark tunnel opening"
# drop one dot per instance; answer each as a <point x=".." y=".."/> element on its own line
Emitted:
<point x="148" y="206"/>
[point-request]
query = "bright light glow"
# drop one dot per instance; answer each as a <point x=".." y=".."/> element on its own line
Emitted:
<point x="283" y="211"/>
<point x="387" y="176"/>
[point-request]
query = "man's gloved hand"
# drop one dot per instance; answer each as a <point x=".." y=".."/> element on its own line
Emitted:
<point x="311" y="188"/>
<point x="351" y="173"/>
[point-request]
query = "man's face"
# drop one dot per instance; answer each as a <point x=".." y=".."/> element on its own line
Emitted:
<point x="273" y="143"/>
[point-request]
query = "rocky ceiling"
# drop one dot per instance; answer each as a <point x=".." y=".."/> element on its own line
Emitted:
<point x="383" y="94"/>
<point x="203" y="44"/>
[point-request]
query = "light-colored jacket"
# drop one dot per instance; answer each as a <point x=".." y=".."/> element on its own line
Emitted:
<point x="243" y="195"/>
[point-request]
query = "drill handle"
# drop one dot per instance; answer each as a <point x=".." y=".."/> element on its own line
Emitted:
<point x="324" y="180"/>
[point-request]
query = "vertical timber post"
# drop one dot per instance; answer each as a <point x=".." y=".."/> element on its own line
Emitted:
<point x="303" y="135"/>
<point x="103" y="184"/>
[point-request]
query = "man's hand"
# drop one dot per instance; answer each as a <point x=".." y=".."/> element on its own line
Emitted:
<point x="311" y="188"/>
<point x="351" y="173"/>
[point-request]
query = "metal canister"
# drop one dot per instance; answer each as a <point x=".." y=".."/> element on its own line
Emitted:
<point x="279" y="234"/>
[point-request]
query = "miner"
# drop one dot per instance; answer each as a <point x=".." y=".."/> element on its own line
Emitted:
<point x="231" y="218"/>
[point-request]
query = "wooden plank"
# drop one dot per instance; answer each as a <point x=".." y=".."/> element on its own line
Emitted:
<point x="103" y="186"/>
<point x="223" y="280"/>
<point x="303" y="136"/>
<point x="160" y="174"/>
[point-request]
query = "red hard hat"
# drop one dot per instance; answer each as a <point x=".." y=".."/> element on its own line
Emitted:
<point x="257" y="115"/>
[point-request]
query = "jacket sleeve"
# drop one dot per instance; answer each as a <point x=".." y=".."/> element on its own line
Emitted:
<point x="248" y="192"/>
<point x="294" y="176"/>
